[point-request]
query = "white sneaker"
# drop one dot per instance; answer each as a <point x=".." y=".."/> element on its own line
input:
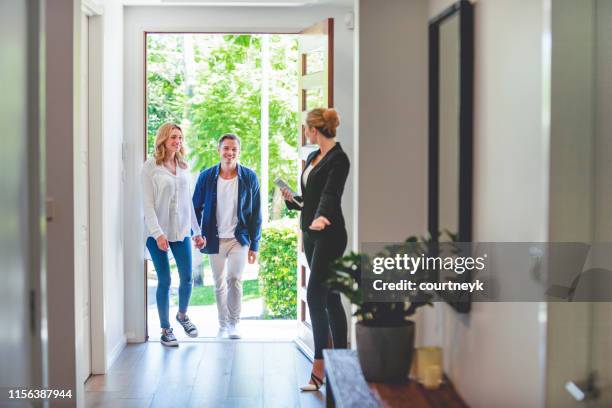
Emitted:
<point x="222" y="333"/>
<point x="233" y="332"/>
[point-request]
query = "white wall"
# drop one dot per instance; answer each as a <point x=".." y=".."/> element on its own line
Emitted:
<point x="392" y="120"/>
<point x="495" y="355"/>
<point x="204" y="19"/>
<point x="107" y="273"/>
<point x="113" y="244"/>
<point x="560" y="342"/>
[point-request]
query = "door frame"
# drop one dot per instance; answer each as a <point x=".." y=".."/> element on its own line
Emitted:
<point x="81" y="208"/>
<point x="215" y="20"/>
<point x="98" y="360"/>
<point x="307" y="82"/>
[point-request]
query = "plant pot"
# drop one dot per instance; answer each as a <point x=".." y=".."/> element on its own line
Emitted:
<point x="385" y="353"/>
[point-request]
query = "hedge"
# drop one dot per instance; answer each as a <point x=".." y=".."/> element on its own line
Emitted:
<point x="277" y="271"/>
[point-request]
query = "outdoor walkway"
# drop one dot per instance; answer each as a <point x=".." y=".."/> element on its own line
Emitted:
<point x="205" y="318"/>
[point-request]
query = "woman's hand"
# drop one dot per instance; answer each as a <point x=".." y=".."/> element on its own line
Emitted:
<point x="319" y="223"/>
<point x="162" y="243"/>
<point x="199" y="241"/>
<point x="286" y="194"/>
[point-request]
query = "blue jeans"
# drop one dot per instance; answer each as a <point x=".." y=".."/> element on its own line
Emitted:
<point x="182" y="254"/>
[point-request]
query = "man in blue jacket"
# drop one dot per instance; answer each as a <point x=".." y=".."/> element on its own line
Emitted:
<point x="227" y="207"/>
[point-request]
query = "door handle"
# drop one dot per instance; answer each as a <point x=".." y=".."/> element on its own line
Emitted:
<point x="583" y="390"/>
<point x="49" y="209"/>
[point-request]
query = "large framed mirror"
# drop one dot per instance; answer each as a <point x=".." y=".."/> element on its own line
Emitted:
<point x="451" y="70"/>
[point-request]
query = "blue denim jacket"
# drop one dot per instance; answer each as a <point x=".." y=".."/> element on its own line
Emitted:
<point x="248" y="230"/>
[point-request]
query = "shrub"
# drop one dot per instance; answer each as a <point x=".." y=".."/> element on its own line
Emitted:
<point x="277" y="271"/>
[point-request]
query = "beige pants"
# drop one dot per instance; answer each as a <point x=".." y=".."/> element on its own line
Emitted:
<point x="228" y="281"/>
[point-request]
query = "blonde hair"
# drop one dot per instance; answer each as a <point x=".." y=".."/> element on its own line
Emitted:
<point x="163" y="133"/>
<point x="324" y="120"/>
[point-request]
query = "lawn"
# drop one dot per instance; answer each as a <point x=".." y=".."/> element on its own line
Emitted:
<point x="205" y="295"/>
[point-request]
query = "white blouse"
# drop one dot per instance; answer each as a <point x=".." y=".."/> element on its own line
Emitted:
<point x="306" y="173"/>
<point x="168" y="208"/>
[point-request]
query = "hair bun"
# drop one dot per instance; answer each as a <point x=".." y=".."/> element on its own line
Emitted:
<point x="324" y="120"/>
<point x="332" y="120"/>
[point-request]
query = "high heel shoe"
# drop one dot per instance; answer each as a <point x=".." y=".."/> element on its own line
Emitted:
<point x="318" y="383"/>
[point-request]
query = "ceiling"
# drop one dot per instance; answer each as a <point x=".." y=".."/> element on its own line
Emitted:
<point x="238" y="3"/>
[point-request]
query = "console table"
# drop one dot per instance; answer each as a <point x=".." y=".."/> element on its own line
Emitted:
<point x="347" y="388"/>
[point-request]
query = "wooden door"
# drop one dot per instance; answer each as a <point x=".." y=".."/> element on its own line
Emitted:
<point x="315" y="91"/>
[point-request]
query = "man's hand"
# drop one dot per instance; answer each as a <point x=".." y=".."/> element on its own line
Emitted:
<point x="162" y="243"/>
<point x="199" y="241"/>
<point x="319" y="223"/>
<point x="252" y="256"/>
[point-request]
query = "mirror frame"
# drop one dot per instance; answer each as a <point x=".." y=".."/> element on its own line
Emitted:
<point x="465" y="11"/>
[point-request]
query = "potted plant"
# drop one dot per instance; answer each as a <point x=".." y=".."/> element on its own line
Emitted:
<point x="385" y="333"/>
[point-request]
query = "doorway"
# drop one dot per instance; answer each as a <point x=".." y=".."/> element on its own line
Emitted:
<point x="247" y="84"/>
<point x="141" y="21"/>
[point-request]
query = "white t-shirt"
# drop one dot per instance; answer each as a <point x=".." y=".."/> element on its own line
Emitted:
<point x="227" y="206"/>
<point x="168" y="208"/>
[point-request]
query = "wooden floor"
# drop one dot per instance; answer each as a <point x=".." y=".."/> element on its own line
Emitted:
<point x="214" y="374"/>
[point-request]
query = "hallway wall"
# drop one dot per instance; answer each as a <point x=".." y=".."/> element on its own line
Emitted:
<point x="213" y="19"/>
<point x="495" y="355"/>
<point x="107" y="274"/>
<point x="571" y="184"/>
<point x="61" y="124"/>
<point x="603" y="124"/>
<point x="510" y="184"/>
<point x="581" y="194"/>
<point x="603" y="187"/>
<point x="21" y="203"/>
<point x="392" y="120"/>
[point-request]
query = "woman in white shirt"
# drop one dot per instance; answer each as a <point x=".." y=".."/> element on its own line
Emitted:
<point x="170" y="222"/>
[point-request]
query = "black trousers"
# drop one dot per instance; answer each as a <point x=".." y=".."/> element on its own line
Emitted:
<point x="326" y="311"/>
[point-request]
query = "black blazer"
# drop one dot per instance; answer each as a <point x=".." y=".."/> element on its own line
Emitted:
<point x="322" y="194"/>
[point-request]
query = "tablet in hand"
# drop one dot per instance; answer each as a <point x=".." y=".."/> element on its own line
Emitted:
<point x="281" y="184"/>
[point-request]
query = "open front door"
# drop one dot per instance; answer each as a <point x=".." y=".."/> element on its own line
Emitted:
<point x="315" y="91"/>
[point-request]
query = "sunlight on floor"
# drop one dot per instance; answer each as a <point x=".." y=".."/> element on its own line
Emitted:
<point x="205" y="318"/>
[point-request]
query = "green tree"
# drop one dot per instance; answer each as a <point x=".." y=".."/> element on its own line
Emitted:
<point x="165" y="88"/>
<point x="230" y="102"/>
<point x="225" y="96"/>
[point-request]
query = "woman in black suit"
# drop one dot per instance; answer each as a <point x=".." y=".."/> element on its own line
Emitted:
<point x="324" y="232"/>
